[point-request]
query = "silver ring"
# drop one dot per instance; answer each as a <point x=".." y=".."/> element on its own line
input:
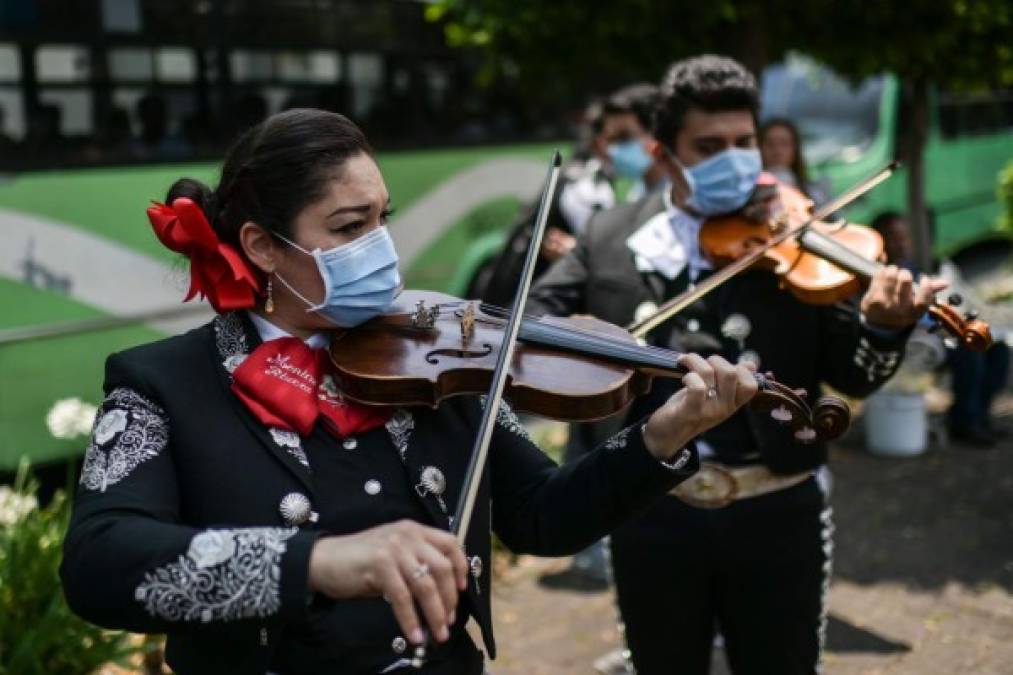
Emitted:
<point x="420" y="571"/>
<point x="712" y="393"/>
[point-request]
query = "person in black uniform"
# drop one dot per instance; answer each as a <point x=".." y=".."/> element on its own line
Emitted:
<point x="743" y="546"/>
<point x="232" y="499"/>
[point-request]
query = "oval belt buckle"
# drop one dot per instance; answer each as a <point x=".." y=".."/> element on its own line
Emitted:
<point x="712" y="487"/>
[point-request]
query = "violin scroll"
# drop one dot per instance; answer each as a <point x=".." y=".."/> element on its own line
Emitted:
<point x="787" y="406"/>
<point x="972" y="332"/>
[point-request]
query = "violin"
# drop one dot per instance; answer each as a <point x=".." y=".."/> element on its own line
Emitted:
<point x="819" y="263"/>
<point x="431" y="346"/>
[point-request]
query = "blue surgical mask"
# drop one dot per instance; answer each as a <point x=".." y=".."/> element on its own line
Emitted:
<point x="360" y="278"/>
<point x="723" y="183"/>
<point x="629" y="158"/>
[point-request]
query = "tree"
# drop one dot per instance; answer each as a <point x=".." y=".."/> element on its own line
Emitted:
<point x="949" y="44"/>
<point x="568" y="48"/>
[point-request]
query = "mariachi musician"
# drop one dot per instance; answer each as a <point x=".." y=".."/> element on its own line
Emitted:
<point x="231" y="498"/>
<point x="744" y="546"/>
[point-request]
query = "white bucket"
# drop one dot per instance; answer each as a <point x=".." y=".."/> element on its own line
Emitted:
<point x="896" y="424"/>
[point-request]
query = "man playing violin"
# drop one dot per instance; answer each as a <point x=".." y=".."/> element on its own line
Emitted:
<point x="744" y="547"/>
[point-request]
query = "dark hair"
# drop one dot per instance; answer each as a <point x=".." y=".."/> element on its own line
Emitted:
<point x="638" y="99"/>
<point x="798" y="161"/>
<point x="710" y="83"/>
<point x="882" y="221"/>
<point x="274" y="170"/>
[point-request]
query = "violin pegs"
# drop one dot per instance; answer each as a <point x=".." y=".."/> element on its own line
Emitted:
<point x="971" y="314"/>
<point x="955" y="299"/>
<point x="801" y="393"/>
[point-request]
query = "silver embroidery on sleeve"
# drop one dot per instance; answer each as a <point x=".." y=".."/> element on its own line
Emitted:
<point x="507" y="419"/>
<point x="875" y="363"/>
<point x="225" y="575"/>
<point x="129" y="431"/>
<point x="619" y="440"/>
<point x="400" y="426"/>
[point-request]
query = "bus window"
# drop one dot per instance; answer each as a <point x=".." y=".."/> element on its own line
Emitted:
<point x="75" y="106"/>
<point x="251" y="66"/>
<point x="975" y="114"/>
<point x="10" y="63"/>
<point x="175" y="64"/>
<point x="365" y="72"/>
<point x="12" y="112"/>
<point x="131" y="64"/>
<point x="318" y="67"/>
<point x="62" y="63"/>
<point x="835" y="119"/>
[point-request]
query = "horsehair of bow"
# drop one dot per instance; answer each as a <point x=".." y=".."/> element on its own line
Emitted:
<point x="480" y="451"/>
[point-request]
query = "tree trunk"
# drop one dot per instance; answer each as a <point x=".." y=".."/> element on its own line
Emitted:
<point x="918" y="130"/>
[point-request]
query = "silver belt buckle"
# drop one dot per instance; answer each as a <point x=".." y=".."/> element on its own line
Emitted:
<point x="712" y="487"/>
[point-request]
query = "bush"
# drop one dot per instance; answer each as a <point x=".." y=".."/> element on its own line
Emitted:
<point x="1006" y="196"/>
<point x="38" y="633"/>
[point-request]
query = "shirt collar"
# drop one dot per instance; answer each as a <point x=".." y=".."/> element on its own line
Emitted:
<point x="268" y="331"/>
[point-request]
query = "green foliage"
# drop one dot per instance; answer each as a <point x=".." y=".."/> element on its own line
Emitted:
<point x="1006" y="196"/>
<point x="38" y="633"/>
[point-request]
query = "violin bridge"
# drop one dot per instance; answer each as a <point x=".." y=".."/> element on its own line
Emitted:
<point x="468" y="323"/>
<point x="424" y="317"/>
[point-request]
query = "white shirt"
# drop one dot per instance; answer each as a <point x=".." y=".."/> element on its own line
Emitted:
<point x="668" y="242"/>
<point x="268" y="331"/>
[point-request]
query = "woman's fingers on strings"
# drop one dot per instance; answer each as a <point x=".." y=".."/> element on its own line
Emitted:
<point x="747" y="385"/>
<point x="726" y="378"/>
<point x="695" y="363"/>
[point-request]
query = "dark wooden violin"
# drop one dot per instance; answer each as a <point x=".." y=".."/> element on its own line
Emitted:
<point x="431" y="346"/>
<point x="819" y="263"/>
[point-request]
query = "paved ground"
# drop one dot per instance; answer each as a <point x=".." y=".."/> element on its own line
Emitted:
<point x="923" y="576"/>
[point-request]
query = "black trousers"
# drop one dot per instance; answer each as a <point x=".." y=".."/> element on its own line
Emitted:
<point x="755" y="570"/>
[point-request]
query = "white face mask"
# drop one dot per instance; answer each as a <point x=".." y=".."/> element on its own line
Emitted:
<point x="360" y="278"/>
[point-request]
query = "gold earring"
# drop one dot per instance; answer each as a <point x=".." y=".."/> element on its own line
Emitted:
<point x="269" y="305"/>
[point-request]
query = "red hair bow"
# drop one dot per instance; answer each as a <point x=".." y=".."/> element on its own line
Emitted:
<point x="217" y="271"/>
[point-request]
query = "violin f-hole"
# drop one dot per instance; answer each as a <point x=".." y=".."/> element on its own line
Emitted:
<point x="433" y="356"/>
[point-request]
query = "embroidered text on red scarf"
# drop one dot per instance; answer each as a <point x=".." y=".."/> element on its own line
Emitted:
<point x="286" y="384"/>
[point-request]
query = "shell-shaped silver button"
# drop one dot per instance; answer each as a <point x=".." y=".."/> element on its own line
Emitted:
<point x="476" y="566"/>
<point x="372" y="487"/>
<point x="350" y="443"/>
<point x="431" y="481"/>
<point x="295" y="508"/>
<point x="399" y="644"/>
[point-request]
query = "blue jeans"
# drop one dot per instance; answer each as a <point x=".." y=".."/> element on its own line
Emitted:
<point x="977" y="379"/>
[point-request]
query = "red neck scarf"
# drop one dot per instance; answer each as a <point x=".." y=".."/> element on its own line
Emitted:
<point x="286" y="384"/>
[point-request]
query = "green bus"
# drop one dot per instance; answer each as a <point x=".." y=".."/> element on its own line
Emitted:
<point x="76" y="247"/>
<point x="849" y="132"/>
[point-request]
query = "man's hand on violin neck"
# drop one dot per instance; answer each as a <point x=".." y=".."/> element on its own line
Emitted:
<point x="712" y="390"/>
<point x="892" y="301"/>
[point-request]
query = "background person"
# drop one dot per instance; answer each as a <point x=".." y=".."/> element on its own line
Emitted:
<point x="781" y="149"/>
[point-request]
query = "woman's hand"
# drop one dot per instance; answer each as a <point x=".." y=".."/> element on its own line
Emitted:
<point x="406" y="563"/>
<point x="712" y="390"/>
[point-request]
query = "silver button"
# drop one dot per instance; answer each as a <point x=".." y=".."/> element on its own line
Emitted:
<point x="372" y="487"/>
<point x="476" y="566"/>
<point x="349" y="443"/>
<point x="399" y="645"/>
<point x="295" y="508"/>
<point x="692" y="325"/>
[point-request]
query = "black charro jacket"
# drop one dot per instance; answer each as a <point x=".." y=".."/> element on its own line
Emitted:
<point x="178" y="525"/>
<point x="803" y="345"/>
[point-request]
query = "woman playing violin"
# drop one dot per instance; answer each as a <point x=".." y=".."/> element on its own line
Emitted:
<point x="233" y="499"/>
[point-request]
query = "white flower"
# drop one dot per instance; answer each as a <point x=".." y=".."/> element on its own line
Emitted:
<point x="112" y="423"/>
<point x="70" y="417"/>
<point x="14" y="506"/>
<point x="211" y="548"/>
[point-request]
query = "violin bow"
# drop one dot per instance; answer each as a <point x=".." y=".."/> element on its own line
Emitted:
<point x="680" y="302"/>
<point x="480" y="451"/>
